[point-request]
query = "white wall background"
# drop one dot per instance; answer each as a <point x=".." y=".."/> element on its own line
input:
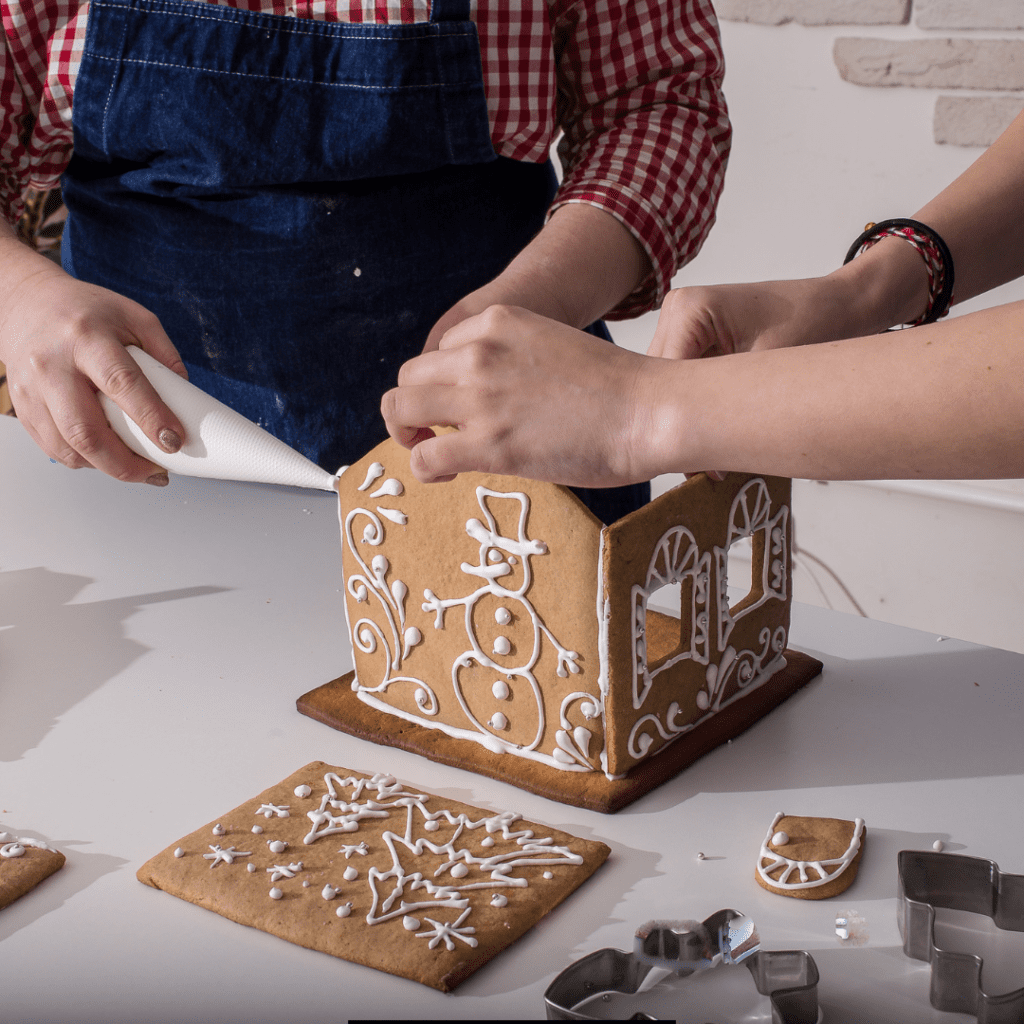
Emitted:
<point x="814" y="159"/>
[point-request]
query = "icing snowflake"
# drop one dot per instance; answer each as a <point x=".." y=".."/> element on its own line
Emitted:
<point x="448" y="933"/>
<point x="227" y="856"/>
<point x="279" y="871"/>
<point x="274" y="810"/>
<point x="361" y="849"/>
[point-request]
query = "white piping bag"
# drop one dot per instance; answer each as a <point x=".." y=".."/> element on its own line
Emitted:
<point x="220" y="442"/>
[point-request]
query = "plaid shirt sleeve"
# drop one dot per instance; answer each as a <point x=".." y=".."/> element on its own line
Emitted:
<point x="647" y="133"/>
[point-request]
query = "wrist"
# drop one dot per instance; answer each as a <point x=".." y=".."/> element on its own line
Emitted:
<point x="883" y="287"/>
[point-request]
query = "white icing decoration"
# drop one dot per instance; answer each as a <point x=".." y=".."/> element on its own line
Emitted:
<point x="491" y="575"/>
<point x="277" y="846"/>
<point x="825" y="869"/>
<point x="497" y="900"/>
<point x="275" y="893"/>
<point x="8" y="840"/>
<point x="226" y="856"/>
<point x="431" y="826"/>
<point x="302" y="791"/>
<point x="410" y="924"/>
<point x="780" y="839"/>
<point x="938" y="846"/>
<point x="218" y="829"/>
<point x="375" y="472"/>
<point x="503" y="616"/>
<point x="257" y="829"/>
<point x="344" y="910"/>
<point x="305" y="885"/>
<point x="179" y="852"/>
<point x="394" y="515"/>
<point x="500" y="690"/>
<point x="547" y="874"/>
<point x="392" y="488"/>
<point x="328" y="892"/>
<point x="361" y="849"/>
<point x="498" y="721"/>
<point x="273" y="810"/>
<point x="350" y="874"/>
<point x="448" y="933"/>
<point x="351" y="800"/>
<point x="250" y="867"/>
<point x="11" y="850"/>
<point x="279" y="871"/>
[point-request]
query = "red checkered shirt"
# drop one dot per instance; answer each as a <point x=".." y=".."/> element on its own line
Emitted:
<point x="633" y="85"/>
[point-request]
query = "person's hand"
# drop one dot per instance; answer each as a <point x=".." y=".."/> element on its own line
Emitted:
<point x="63" y="341"/>
<point x="529" y="397"/>
<point x="724" y="319"/>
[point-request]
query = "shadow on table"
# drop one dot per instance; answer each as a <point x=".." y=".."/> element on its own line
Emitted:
<point x="906" y="719"/>
<point x="79" y="872"/>
<point x="54" y="653"/>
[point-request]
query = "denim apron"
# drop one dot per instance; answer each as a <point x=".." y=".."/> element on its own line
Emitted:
<point x="297" y="201"/>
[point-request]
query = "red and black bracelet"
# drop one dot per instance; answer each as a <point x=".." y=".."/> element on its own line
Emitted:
<point x="936" y="255"/>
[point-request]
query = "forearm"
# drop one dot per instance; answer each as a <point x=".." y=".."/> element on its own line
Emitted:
<point x="579" y="266"/>
<point x="945" y="400"/>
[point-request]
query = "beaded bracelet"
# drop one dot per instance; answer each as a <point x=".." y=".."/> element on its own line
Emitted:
<point x="936" y="255"/>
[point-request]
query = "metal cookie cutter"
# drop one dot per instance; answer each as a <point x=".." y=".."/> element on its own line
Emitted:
<point x="955" y="882"/>
<point x="789" y="978"/>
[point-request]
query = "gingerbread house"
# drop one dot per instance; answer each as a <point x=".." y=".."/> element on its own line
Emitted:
<point x="497" y="624"/>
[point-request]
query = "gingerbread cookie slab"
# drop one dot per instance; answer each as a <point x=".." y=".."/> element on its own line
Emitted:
<point x="373" y="871"/>
<point x="810" y="858"/>
<point x="24" y="863"/>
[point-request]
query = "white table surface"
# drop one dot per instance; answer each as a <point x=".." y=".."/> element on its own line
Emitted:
<point x="152" y="645"/>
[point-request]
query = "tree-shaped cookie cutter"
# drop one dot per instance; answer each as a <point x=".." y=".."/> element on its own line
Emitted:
<point x="955" y="882"/>
<point x="788" y="977"/>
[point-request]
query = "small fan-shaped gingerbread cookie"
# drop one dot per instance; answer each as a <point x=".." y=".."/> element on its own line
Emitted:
<point x="810" y="858"/>
<point x="24" y="863"/>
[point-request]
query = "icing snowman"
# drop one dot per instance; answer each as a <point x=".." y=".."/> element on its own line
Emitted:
<point x="505" y="633"/>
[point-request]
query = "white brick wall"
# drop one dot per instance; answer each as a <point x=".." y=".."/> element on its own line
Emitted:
<point x="902" y="58"/>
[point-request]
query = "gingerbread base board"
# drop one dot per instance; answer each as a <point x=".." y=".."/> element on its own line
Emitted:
<point x="335" y="704"/>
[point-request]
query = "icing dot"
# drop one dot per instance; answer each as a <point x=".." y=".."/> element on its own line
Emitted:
<point x="250" y="868"/>
<point x="497" y="900"/>
<point x="218" y="829"/>
<point x="547" y="874"/>
<point x="487" y="841"/>
<point x="410" y="924"/>
<point x="502" y="616"/>
<point x="305" y="885"/>
<point x="700" y="856"/>
<point x="431" y="825"/>
<point x="275" y="893"/>
<point x="328" y="892"/>
<point x="257" y="829"/>
<point x="302" y="791"/>
<point x="702" y="700"/>
<point x="780" y="838"/>
<point x="500" y="690"/>
<point x="350" y="874"/>
<point x="357" y="272"/>
<point x="512" y="560"/>
<point x="589" y="710"/>
<point x="344" y="910"/>
<point x="179" y="852"/>
<point x="277" y="846"/>
<point x="498" y="721"/>
<point x="459" y="870"/>
<point x="501" y="645"/>
<point x="938" y="846"/>
<point x="421" y="696"/>
<point x="493" y="555"/>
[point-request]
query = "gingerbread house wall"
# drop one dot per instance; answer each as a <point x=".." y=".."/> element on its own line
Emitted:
<point x="429" y="627"/>
<point x="665" y="675"/>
